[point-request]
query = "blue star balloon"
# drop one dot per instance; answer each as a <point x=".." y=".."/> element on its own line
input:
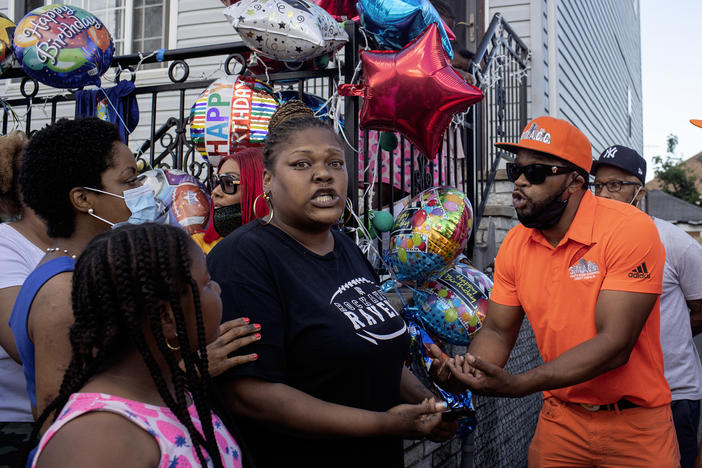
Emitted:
<point x="394" y="23"/>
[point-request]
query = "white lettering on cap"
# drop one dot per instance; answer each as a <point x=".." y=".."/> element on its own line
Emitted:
<point x="609" y="152"/>
<point x="537" y="134"/>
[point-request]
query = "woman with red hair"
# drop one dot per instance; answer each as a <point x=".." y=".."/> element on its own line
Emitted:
<point x="236" y="187"/>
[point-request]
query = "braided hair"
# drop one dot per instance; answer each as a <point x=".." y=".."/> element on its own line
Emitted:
<point x="119" y="282"/>
<point x="290" y="118"/>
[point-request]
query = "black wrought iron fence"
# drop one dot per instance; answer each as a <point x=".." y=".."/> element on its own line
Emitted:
<point x="378" y="177"/>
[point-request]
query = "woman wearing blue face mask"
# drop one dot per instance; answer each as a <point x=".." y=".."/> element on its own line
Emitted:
<point x="80" y="178"/>
<point x="59" y="162"/>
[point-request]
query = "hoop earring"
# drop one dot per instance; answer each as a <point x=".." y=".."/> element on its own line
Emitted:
<point x="171" y="347"/>
<point x="269" y="202"/>
<point x="349" y="205"/>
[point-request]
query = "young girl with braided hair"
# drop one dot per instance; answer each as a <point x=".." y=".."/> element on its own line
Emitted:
<point x="137" y="391"/>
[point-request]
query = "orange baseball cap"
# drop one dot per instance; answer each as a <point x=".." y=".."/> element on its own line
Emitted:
<point x="695" y="122"/>
<point x="555" y="137"/>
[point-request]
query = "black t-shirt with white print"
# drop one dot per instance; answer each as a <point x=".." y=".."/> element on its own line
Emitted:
<point x="326" y="329"/>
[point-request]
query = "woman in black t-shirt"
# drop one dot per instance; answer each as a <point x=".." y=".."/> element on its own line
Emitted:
<point x="329" y="382"/>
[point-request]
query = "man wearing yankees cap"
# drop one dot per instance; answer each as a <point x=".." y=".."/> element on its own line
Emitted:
<point x="587" y="272"/>
<point x="620" y="174"/>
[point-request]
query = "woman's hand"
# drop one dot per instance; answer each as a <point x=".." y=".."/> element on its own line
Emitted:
<point x="233" y="335"/>
<point x="417" y="421"/>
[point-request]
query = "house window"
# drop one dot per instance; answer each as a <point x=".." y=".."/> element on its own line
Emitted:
<point x="135" y="25"/>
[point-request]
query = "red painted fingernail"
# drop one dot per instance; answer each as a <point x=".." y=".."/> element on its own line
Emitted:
<point x="247" y="320"/>
<point x="257" y="326"/>
<point x="255" y="356"/>
<point x="258" y="336"/>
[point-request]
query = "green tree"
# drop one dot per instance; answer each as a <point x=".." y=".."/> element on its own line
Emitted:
<point x="674" y="177"/>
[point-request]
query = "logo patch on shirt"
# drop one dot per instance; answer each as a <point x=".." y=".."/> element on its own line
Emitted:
<point x="365" y="306"/>
<point x="584" y="269"/>
<point x="640" y="272"/>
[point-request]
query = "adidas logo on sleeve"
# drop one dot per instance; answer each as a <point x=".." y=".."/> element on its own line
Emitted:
<point x="640" y="272"/>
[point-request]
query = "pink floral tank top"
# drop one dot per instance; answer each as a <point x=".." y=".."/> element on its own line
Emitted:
<point x="177" y="450"/>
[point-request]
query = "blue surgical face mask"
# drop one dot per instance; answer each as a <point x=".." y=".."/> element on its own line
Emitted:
<point x="141" y="202"/>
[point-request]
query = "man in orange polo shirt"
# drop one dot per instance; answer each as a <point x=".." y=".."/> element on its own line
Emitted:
<point x="587" y="272"/>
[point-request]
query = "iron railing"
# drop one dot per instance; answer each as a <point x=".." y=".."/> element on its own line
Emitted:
<point x="377" y="178"/>
<point x="501" y="65"/>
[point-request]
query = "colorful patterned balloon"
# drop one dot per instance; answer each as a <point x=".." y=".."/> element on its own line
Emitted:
<point x="287" y="30"/>
<point x="63" y="46"/>
<point x="430" y="232"/>
<point x="453" y="305"/>
<point x="7" y="29"/>
<point x="186" y="198"/>
<point x="231" y="114"/>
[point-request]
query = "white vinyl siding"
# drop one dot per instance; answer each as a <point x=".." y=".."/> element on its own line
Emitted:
<point x="598" y="65"/>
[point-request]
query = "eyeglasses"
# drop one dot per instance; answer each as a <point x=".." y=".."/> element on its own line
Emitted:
<point x="612" y="185"/>
<point x="535" y="173"/>
<point x="229" y="184"/>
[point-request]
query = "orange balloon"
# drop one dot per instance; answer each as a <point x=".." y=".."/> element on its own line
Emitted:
<point x="100" y="37"/>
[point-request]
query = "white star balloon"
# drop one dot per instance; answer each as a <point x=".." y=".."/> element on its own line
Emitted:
<point x="287" y="30"/>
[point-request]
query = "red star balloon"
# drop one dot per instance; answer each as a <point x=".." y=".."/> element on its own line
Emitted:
<point x="414" y="91"/>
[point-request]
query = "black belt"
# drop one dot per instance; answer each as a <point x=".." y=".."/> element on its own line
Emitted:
<point x="621" y="404"/>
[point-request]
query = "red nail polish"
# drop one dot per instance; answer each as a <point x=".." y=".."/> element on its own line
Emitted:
<point x="258" y="336"/>
<point x="255" y="356"/>
<point x="257" y="326"/>
<point x="247" y="320"/>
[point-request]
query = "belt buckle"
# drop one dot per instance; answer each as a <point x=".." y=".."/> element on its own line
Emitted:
<point x="592" y="408"/>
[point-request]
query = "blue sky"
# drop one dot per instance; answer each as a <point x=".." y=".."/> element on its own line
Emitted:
<point x="671" y="56"/>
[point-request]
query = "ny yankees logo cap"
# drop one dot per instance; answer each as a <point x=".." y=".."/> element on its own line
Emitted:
<point x="623" y="158"/>
<point x="555" y="137"/>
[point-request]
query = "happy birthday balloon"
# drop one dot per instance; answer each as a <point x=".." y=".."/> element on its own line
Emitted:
<point x="430" y="232"/>
<point x="63" y="46"/>
<point x="453" y="305"/>
<point x="231" y="114"/>
<point x="186" y="199"/>
<point x="287" y="30"/>
<point x="395" y="23"/>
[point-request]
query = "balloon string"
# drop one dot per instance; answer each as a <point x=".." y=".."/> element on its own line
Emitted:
<point x="258" y="59"/>
<point x="10" y="110"/>
<point x="141" y="60"/>
<point x="116" y="112"/>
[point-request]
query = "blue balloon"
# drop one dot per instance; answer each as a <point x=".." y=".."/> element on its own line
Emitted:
<point x="395" y="23"/>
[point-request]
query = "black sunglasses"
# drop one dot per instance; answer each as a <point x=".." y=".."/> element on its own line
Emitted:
<point x="535" y="173"/>
<point x="229" y="183"/>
